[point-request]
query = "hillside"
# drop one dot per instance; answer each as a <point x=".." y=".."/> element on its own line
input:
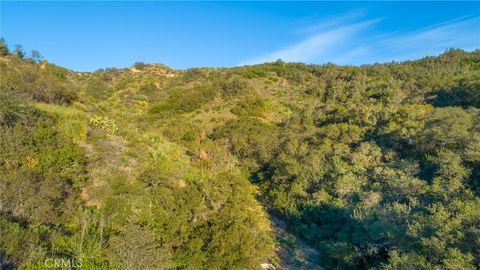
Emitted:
<point x="371" y="167"/>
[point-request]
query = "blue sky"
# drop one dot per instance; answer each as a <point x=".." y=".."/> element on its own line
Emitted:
<point x="85" y="36"/>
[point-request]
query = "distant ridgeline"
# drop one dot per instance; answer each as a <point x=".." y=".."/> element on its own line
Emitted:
<point x="148" y="167"/>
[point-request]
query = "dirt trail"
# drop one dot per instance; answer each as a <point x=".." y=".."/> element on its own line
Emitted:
<point x="293" y="252"/>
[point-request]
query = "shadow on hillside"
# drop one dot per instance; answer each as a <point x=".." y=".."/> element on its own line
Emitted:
<point x="292" y="251"/>
<point x="462" y="95"/>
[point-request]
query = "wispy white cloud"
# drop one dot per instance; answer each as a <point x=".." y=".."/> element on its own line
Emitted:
<point x="462" y="33"/>
<point x="316" y="45"/>
<point x="345" y="42"/>
<point x="332" y="22"/>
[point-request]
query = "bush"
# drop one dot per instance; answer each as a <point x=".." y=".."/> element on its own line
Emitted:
<point x="184" y="101"/>
<point x="105" y="124"/>
<point x="40" y="172"/>
<point x="98" y="89"/>
<point x="235" y="86"/>
<point x="139" y="65"/>
<point x="29" y="80"/>
<point x="250" y="106"/>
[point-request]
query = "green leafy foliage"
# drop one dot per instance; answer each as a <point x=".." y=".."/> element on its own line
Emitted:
<point x="104" y="123"/>
<point x="184" y="101"/>
<point x="376" y="167"/>
<point x="40" y="174"/>
<point x="39" y="82"/>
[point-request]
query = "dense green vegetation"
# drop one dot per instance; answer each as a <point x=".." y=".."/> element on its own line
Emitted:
<point x="376" y="167"/>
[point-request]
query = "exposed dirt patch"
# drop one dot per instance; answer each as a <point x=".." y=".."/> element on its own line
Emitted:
<point x="293" y="252"/>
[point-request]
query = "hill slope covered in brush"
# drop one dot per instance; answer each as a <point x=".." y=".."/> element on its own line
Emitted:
<point x="153" y="168"/>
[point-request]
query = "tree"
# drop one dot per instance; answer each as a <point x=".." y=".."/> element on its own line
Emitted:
<point x="35" y="56"/>
<point x="139" y="65"/>
<point x="3" y="47"/>
<point x="19" y="51"/>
